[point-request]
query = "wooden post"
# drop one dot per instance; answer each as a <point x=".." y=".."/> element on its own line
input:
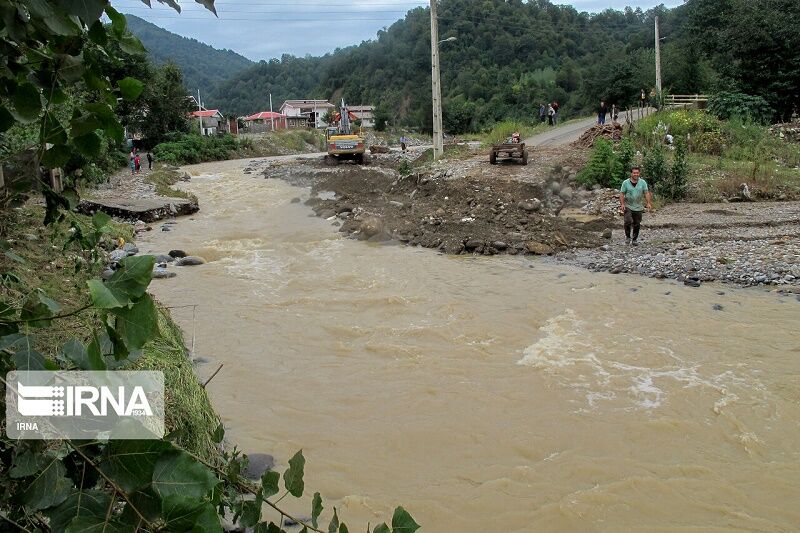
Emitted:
<point x="2" y="178"/>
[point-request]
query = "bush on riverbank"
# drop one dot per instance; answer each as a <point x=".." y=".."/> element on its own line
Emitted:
<point x="189" y="149"/>
<point x="721" y="155"/>
<point x="64" y="276"/>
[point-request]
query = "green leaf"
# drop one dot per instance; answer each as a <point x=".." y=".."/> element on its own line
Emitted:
<point x="130" y="463"/>
<point x="333" y="526"/>
<point x="54" y="132"/>
<point x="137" y="324"/>
<point x="293" y="477"/>
<point x="131" y="45"/>
<point x="133" y="277"/>
<point x="118" y="22"/>
<point x="316" y="508"/>
<point x="85" y="503"/>
<point x="188" y="514"/>
<point x="100" y="220"/>
<point x="343" y="528"/>
<point x="70" y="68"/>
<point x="130" y="88"/>
<point x="84" y="359"/>
<point x="27" y="102"/>
<point x="251" y="513"/>
<point x="15" y="341"/>
<point x="61" y="24"/>
<point x="6" y="119"/>
<point x="383" y="528"/>
<point x="84" y="124"/>
<point x="27" y="463"/>
<point x="49" y="488"/>
<point x="88" y="145"/>
<point x="40" y="8"/>
<point x="97" y="33"/>
<point x="14" y="257"/>
<point x="269" y="483"/>
<point x="38" y="306"/>
<point x="402" y="522"/>
<point x="218" y="434"/>
<point x="97" y="524"/>
<point x="103" y="297"/>
<point x="87" y="10"/>
<point x="177" y="473"/>
<point x="57" y="156"/>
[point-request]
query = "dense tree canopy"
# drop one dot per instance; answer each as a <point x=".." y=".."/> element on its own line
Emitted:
<point x="511" y="55"/>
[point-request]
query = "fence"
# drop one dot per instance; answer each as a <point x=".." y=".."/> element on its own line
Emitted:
<point x="686" y="100"/>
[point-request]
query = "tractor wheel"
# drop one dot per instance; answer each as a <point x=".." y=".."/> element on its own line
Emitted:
<point x="493" y="158"/>
<point x="525" y="157"/>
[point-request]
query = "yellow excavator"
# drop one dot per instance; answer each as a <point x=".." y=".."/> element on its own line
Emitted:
<point x="343" y="143"/>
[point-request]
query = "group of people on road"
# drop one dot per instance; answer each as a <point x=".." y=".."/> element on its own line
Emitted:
<point x="604" y="110"/>
<point x="136" y="161"/>
<point x="549" y="113"/>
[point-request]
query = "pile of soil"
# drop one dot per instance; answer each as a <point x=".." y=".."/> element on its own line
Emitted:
<point x="469" y="215"/>
<point x="611" y="132"/>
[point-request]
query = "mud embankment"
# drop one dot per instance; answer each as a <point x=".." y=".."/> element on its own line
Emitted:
<point x="468" y="215"/>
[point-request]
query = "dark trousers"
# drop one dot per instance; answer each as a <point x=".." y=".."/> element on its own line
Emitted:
<point x="601" y="118"/>
<point x="633" y="220"/>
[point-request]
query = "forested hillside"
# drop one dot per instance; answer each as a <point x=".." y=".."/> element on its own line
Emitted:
<point x="203" y="66"/>
<point x="510" y="55"/>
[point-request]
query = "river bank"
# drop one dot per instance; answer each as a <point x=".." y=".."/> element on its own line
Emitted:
<point x="469" y="207"/>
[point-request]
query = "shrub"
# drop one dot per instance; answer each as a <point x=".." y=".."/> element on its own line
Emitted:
<point x="626" y="155"/>
<point x="674" y="186"/>
<point x="503" y="130"/>
<point x="603" y="167"/>
<point x="725" y="105"/>
<point x="709" y="142"/>
<point x="193" y="148"/>
<point x="655" y="169"/>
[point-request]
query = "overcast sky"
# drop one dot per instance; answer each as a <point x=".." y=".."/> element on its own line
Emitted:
<point x="263" y="29"/>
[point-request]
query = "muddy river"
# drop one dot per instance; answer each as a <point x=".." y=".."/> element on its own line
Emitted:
<point x="485" y="394"/>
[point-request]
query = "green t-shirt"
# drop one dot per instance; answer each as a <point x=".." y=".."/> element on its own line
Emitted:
<point x="634" y="194"/>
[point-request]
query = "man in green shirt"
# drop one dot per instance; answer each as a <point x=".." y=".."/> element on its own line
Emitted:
<point x="634" y="196"/>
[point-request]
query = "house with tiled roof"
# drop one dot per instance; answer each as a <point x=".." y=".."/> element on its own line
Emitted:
<point x="306" y="113"/>
<point x="209" y="121"/>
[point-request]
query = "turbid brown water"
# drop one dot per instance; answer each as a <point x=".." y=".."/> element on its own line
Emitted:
<point x="486" y="394"/>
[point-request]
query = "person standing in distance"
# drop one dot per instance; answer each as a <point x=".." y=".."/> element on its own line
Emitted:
<point x="634" y="197"/>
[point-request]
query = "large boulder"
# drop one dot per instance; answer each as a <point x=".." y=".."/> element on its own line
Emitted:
<point x="162" y="273"/>
<point x="190" y="260"/>
<point x="538" y="248"/>
<point x="531" y="206"/>
<point x="370" y="227"/>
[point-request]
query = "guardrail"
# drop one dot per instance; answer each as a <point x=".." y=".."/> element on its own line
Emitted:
<point x="675" y="100"/>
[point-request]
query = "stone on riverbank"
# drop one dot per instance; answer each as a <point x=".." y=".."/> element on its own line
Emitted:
<point x="190" y="260"/>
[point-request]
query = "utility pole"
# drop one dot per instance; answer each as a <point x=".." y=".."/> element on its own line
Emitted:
<point x="199" y="108"/>
<point x="658" y="66"/>
<point x="436" y="85"/>
<point x="271" y="119"/>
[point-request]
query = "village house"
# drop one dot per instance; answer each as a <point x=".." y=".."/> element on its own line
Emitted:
<point x="213" y="122"/>
<point x="306" y="113"/>
<point x="364" y="113"/>
<point x="265" y="121"/>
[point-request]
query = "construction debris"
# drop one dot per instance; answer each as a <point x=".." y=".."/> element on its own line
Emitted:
<point x="611" y="132"/>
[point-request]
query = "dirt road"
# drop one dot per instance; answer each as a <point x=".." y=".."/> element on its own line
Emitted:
<point x="570" y="132"/>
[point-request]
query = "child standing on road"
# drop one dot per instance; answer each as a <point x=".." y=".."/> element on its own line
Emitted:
<point x="138" y="163"/>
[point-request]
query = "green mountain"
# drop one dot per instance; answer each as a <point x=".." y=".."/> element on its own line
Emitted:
<point x="508" y="57"/>
<point x="204" y="67"/>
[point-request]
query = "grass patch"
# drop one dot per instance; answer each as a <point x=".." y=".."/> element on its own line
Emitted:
<point x="163" y="180"/>
<point x="724" y="154"/>
<point x="62" y="274"/>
